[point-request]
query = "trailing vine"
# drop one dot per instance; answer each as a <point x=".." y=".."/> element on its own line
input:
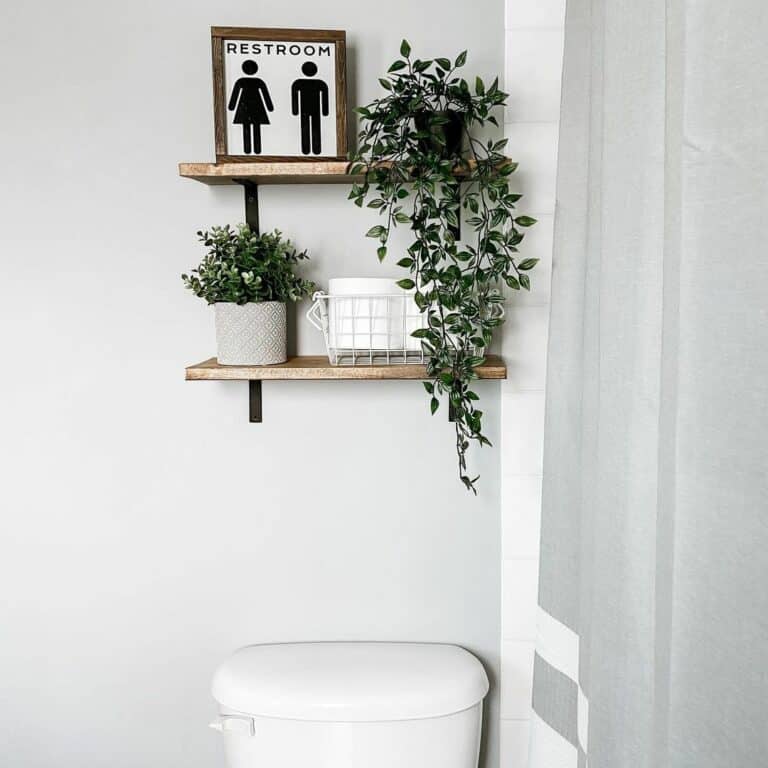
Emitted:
<point x="414" y="174"/>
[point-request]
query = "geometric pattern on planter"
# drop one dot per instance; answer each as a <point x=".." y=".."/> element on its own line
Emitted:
<point x="251" y="334"/>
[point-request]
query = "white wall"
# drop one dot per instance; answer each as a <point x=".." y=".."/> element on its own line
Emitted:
<point x="147" y="528"/>
<point x="534" y="49"/>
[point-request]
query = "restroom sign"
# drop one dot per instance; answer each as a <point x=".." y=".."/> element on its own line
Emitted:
<point x="279" y="94"/>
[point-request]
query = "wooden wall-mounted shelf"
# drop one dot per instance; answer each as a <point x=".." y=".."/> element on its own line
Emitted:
<point x="284" y="172"/>
<point x="307" y="172"/>
<point x="317" y="368"/>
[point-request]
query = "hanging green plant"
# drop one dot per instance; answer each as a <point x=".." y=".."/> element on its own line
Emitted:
<point x="422" y="163"/>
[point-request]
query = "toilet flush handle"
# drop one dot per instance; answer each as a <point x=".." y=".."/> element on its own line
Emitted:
<point x="234" y="723"/>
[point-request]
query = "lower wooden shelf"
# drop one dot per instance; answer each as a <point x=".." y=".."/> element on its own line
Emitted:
<point x="318" y="368"/>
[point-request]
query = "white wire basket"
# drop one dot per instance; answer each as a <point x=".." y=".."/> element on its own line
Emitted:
<point x="369" y="329"/>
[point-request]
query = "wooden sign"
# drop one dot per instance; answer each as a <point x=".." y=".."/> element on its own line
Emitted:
<point x="279" y="94"/>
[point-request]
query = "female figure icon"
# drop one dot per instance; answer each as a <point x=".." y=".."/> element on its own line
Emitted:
<point x="251" y="102"/>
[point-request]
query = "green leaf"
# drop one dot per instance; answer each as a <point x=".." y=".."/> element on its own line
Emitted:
<point x="376" y="231"/>
<point x="381" y="252"/>
<point x="434" y="404"/>
<point x="479" y="86"/>
<point x="525" y="281"/>
<point x="405" y="49"/>
<point x="406" y="284"/>
<point x="470" y="484"/>
<point x="461" y="59"/>
<point x="429" y="386"/>
<point x="443" y="63"/>
<point x="527" y="264"/>
<point x="512" y="282"/>
<point x="405" y="262"/>
<point x="397" y="66"/>
<point x="525" y="221"/>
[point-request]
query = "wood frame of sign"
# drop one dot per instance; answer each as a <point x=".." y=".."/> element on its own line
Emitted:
<point x="291" y="44"/>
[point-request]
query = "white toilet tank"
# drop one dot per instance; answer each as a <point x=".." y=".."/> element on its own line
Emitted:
<point x="350" y="705"/>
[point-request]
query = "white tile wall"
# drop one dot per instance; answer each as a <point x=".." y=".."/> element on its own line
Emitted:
<point x="534" y="35"/>
<point x="534" y="146"/>
<point x="515" y="735"/>
<point x="534" y="63"/>
<point x="516" y="682"/>
<point x="522" y="517"/>
<point x="534" y="13"/>
<point x="522" y="434"/>
<point x="518" y="611"/>
<point x="525" y="341"/>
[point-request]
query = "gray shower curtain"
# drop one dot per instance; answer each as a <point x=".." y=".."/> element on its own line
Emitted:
<point x="652" y="646"/>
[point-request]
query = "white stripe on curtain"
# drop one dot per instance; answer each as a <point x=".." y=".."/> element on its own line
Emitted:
<point x="557" y="644"/>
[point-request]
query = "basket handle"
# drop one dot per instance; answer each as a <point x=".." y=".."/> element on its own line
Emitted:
<point x="315" y="312"/>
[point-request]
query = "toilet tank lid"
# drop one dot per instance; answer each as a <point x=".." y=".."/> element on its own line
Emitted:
<point x="350" y="682"/>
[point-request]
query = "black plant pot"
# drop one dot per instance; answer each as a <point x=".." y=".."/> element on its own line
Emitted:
<point x="445" y="139"/>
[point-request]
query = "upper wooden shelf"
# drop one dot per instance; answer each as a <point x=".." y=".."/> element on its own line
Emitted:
<point x="316" y="172"/>
<point x="283" y="172"/>
<point x="318" y="368"/>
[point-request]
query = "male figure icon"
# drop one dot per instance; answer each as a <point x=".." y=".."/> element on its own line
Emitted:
<point x="309" y="99"/>
<point x="251" y="98"/>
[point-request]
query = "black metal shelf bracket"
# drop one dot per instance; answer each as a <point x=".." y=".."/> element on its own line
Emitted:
<point x="254" y="401"/>
<point x="251" y="189"/>
<point x="251" y="192"/>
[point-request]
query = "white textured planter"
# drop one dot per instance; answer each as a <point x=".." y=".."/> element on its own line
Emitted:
<point x="251" y="334"/>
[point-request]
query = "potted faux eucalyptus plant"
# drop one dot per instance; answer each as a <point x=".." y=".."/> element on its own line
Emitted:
<point x="418" y="172"/>
<point x="248" y="278"/>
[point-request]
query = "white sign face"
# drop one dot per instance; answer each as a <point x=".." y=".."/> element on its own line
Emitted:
<point x="280" y="98"/>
